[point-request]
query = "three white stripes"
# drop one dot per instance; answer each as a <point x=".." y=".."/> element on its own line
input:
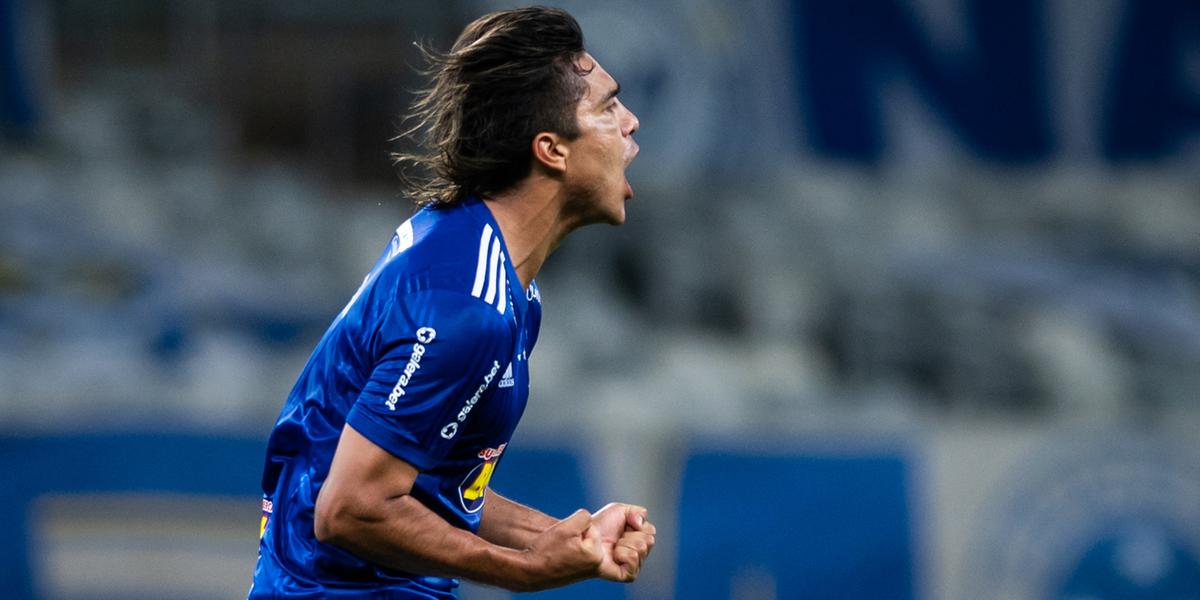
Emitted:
<point x="490" y="270"/>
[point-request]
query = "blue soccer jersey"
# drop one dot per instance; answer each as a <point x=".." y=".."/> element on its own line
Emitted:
<point x="428" y="361"/>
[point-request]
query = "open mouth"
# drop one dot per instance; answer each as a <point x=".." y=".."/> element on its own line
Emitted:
<point x="631" y="153"/>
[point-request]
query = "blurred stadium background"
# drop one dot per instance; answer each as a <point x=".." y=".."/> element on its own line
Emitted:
<point x="907" y="306"/>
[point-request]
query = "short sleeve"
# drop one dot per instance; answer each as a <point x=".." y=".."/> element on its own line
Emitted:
<point x="436" y="348"/>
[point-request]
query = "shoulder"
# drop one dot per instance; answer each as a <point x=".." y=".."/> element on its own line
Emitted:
<point x="447" y="249"/>
<point x="451" y="311"/>
<point x="439" y="323"/>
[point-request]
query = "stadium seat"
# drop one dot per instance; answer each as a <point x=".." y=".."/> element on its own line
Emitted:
<point x="553" y="481"/>
<point x="816" y="526"/>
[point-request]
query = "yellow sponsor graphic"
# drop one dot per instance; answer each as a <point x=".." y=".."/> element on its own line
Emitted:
<point x="262" y="527"/>
<point x="475" y="490"/>
<point x="472" y="491"/>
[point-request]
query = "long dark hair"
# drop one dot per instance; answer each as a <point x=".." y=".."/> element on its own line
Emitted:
<point x="509" y="76"/>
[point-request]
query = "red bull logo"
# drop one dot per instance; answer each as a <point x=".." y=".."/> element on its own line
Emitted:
<point x="490" y="453"/>
<point x="267" y="508"/>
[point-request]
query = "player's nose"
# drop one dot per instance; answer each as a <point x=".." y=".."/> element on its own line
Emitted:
<point x="631" y="122"/>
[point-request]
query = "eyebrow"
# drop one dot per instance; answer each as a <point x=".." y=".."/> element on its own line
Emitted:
<point x="610" y="95"/>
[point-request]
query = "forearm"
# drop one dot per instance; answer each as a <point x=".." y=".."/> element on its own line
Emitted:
<point x="407" y="536"/>
<point x="511" y="524"/>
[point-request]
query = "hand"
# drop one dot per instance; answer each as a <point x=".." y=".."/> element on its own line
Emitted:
<point x="627" y="537"/>
<point x="568" y="551"/>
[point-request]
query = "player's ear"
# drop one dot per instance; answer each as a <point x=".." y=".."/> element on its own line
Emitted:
<point x="550" y="150"/>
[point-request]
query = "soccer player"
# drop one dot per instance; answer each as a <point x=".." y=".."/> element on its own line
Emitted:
<point x="376" y="478"/>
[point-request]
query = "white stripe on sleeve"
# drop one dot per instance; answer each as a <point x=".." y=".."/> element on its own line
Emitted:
<point x="481" y="265"/>
<point x="500" y="306"/>
<point x="493" y="261"/>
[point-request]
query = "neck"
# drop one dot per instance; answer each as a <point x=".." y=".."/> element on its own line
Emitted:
<point x="531" y="219"/>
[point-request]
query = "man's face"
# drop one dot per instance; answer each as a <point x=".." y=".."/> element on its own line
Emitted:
<point x="596" y="165"/>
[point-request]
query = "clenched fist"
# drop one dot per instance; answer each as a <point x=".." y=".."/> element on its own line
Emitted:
<point x="626" y="537"/>
<point x="569" y="551"/>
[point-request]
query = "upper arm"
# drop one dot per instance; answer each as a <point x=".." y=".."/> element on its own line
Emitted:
<point x="432" y="346"/>
<point x="361" y="479"/>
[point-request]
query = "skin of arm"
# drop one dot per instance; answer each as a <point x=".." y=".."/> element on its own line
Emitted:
<point x="511" y="524"/>
<point x="625" y="533"/>
<point x="364" y="506"/>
